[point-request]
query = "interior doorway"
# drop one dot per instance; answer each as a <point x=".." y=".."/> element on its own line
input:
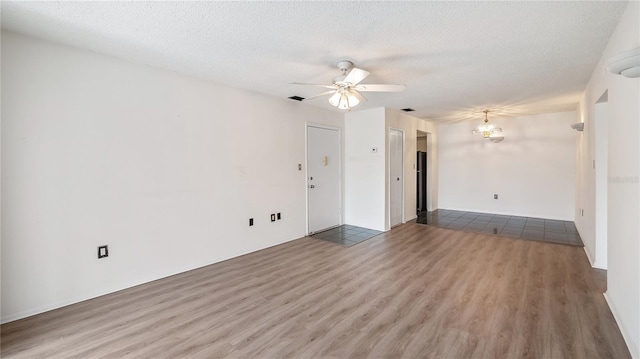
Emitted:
<point x="421" y="173"/>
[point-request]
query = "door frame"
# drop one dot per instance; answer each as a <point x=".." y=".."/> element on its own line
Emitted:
<point x="402" y="214"/>
<point x="306" y="170"/>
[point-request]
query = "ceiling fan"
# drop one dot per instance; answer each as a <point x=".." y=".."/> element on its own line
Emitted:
<point x="346" y="88"/>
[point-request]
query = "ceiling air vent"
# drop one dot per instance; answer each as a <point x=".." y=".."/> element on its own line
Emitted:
<point x="408" y="109"/>
<point x="297" y="98"/>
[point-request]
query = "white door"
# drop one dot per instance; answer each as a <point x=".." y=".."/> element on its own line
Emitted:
<point x="323" y="178"/>
<point x="396" y="177"/>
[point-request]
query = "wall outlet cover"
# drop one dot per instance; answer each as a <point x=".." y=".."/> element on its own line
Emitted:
<point x="103" y="251"/>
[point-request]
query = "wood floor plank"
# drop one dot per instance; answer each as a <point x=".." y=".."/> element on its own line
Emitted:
<point x="415" y="291"/>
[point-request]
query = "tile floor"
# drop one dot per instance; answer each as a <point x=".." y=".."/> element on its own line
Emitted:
<point x="346" y="235"/>
<point x="537" y="229"/>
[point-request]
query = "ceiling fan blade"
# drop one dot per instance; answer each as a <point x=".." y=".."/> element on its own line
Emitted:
<point x="319" y="95"/>
<point x="380" y="88"/>
<point x="316" y="85"/>
<point x="357" y="94"/>
<point x="355" y="76"/>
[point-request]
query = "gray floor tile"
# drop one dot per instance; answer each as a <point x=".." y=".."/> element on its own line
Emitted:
<point x="514" y="226"/>
<point x="554" y="226"/>
<point x="499" y="220"/>
<point x="511" y="231"/>
<point x="538" y="229"/>
<point x="556" y="236"/>
<point x="346" y="235"/>
<point x="555" y="230"/>
<point x="533" y="228"/>
<point x="484" y="217"/>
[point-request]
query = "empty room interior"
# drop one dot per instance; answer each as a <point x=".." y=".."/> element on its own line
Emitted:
<point x="320" y="179"/>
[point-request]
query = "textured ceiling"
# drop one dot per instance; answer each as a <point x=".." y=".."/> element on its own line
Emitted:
<point x="456" y="58"/>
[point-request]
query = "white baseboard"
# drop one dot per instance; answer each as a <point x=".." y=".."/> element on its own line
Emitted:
<point x="635" y="354"/>
<point x="593" y="264"/>
<point x="588" y="256"/>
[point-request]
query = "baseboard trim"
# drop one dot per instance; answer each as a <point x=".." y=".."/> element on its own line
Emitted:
<point x="635" y="354"/>
<point x="588" y="256"/>
<point x="595" y="265"/>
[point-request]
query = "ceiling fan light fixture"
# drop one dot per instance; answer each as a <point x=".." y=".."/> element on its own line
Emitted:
<point x="345" y="89"/>
<point x="334" y="100"/>
<point x="353" y="100"/>
<point x="344" y="102"/>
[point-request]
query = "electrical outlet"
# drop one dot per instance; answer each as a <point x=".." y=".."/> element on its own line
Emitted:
<point x="495" y="196"/>
<point x="103" y="251"/>
<point x="273" y="217"/>
<point x="279" y="216"/>
<point x="250" y="222"/>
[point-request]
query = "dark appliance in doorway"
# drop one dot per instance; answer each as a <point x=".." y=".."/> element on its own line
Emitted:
<point x="421" y="173"/>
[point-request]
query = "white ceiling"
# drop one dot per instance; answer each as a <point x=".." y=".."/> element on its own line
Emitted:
<point x="456" y="58"/>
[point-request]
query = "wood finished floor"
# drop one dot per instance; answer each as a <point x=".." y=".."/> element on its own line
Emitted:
<point x="416" y="291"/>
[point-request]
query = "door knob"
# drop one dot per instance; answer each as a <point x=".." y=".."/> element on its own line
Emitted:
<point x="312" y="186"/>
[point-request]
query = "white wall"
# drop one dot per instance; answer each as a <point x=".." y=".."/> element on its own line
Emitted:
<point x="365" y="169"/>
<point x="163" y="168"/>
<point x="591" y="183"/>
<point x="410" y="125"/>
<point x="421" y="144"/>
<point x="532" y="170"/>
<point x="367" y="173"/>
<point x="623" y="194"/>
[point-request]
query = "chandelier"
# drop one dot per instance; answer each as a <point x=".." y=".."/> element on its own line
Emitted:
<point x="488" y="130"/>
